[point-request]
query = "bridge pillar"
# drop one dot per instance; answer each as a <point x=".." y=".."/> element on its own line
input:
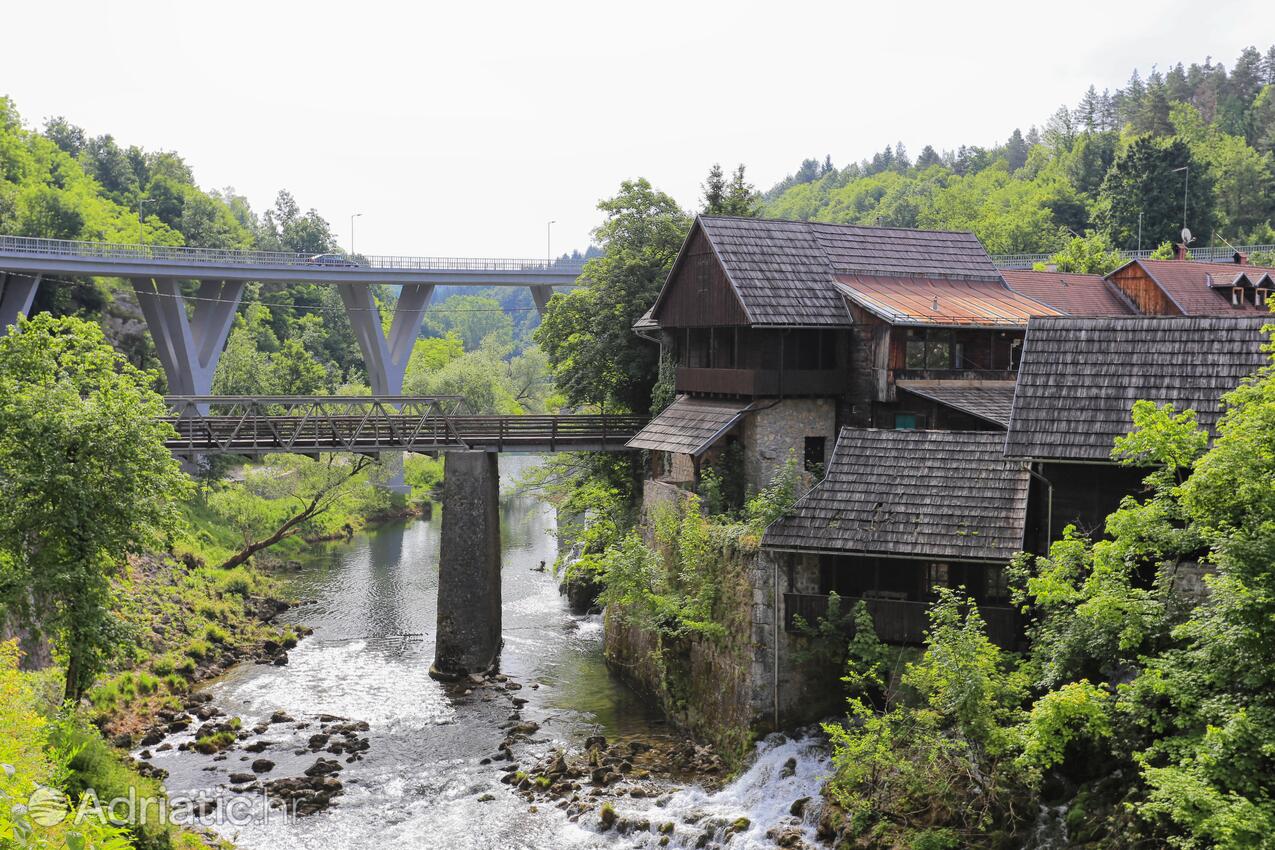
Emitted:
<point x="468" y="638"/>
<point x="386" y="360"/>
<point x="17" y="291"/>
<point x="540" y="294"/>
<point x="188" y="348"/>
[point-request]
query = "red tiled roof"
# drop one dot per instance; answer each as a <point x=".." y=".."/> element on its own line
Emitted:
<point x="1202" y="289"/>
<point x="1070" y="294"/>
<point x="942" y="301"/>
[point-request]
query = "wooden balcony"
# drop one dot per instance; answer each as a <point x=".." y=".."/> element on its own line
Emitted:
<point x="903" y="621"/>
<point x="761" y="382"/>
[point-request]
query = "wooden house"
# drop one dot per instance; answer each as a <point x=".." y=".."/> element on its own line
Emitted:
<point x="1184" y="288"/>
<point x="899" y="515"/>
<point x="785" y="331"/>
<point x="1077" y="384"/>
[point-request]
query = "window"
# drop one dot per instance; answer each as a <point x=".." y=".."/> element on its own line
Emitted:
<point x="701" y="275"/>
<point x="1260" y="296"/>
<point x="928" y="349"/>
<point x="935" y="578"/>
<point x="1237" y="296"/>
<point x="997" y="583"/>
<point x="1015" y="354"/>
<point x="907" y="421"/>
<point x="815" y="454"/>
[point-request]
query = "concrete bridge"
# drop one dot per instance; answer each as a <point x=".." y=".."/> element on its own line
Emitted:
<point x="189" y="342"/>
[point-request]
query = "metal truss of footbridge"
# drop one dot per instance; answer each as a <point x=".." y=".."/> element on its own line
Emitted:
<point x="190" y="330"/>
<point x="259" y="425"/>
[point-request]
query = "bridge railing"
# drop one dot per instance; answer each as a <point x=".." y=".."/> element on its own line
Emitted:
<point x="368" y="424"/>
<point x="32" y="246"/>
<point x="1200" y="255"/>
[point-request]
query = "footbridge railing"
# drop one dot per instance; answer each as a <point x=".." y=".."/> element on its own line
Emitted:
<point x="257" y="425"/>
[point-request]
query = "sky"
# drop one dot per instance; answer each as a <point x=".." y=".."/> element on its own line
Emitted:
<point x="462" y="128"/>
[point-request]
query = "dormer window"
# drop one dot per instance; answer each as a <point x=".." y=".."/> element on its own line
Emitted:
<point x="1237" y="296"/>
<point x="1259" y="297"/>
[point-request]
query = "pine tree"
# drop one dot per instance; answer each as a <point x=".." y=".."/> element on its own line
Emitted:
<point x="1016" y="149"/>
<point x="929" y="156"/>
<point x="1087" y="114"/>
<point x="742" y="198"/>
<point x="714" y="190"/>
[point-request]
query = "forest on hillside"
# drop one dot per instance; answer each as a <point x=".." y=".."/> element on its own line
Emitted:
<point x="1092" y="168"/>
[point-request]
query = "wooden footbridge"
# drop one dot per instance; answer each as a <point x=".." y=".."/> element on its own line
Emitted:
<point x="258" y="425"/>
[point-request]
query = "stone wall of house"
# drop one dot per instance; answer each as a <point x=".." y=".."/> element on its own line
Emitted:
<point x="772" y="433"/>
<point x="802" y="692"/>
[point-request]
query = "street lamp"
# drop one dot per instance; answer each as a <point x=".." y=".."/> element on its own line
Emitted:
<point x="549" y="243"/>
<point x="141" y="203"/>
<point x="1186" y="180"/>
<point x="352" y="217"/>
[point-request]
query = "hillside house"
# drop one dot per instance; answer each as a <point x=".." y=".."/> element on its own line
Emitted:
<point x="1185" y="288"/>
<point x="783" y="332"/>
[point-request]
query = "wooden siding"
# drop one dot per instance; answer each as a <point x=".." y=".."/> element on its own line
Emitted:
<point x="760" y="382"/>
<point x="699" y="295"/>
<point x="1144" y="292"/>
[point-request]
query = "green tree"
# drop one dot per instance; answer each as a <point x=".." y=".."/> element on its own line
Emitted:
<point x="1092" y="253"/>
<point x="85" y="479"/>
<point x="586" y="333"/>
<point x="471" y="317"/>
<point x="294" y="371"/>
<point x="1144" y="180"/>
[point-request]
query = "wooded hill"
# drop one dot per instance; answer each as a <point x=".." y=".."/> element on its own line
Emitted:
<point x="1092" y="167"/>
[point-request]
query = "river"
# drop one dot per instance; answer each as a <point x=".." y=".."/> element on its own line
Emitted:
<point x="371" y="603"/>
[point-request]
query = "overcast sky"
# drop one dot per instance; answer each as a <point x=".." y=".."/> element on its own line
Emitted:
<point x="461" y="128"/>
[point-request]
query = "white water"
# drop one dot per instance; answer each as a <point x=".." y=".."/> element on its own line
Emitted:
<point x="762" y="794"/>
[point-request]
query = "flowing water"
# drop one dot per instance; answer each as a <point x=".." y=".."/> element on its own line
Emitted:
<point x="371" y="604"/>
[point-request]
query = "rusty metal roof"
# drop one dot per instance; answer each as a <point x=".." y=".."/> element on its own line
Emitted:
<point x="927" y="301"/>
<point x="912" y="494"/>
<point x="1079" y="377"/>
<point x="689" y="425"/>
<point x="989" y="400"/>
<point x="1194" y="287"/>
<point x="1070" y="294"/>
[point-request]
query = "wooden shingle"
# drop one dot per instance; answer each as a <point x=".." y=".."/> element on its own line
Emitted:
<point x="946" y="495"/>
<point x="689" y="425"/>
<point x="1079" y="377"/>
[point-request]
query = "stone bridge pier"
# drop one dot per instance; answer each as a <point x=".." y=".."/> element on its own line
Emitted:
<point x="469" y="636"/>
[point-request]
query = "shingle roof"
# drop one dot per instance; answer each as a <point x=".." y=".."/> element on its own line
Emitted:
<point x="1192" y="286"/>
<point x="689" y="425"/>
<point x="782" y="270"/>
<point x="1079" y="377"/>
<point x="990" y="400"/>
<point x="922" y="301"/>
<point x="917" y="494"/>
<point x="1070" y="294"/>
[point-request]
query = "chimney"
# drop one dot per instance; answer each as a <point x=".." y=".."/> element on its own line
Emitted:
<point x="1179" y="252"/>
<point x="1241" y="259"/>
